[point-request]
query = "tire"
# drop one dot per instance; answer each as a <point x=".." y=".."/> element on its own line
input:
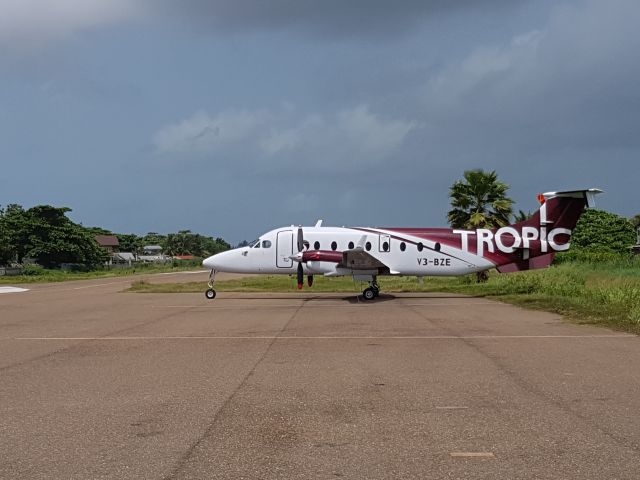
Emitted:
<point x="482" y="277"/>
<point x="210" y="294"/>
<point x="369" y="293"/>
<point x="376" y="292"/>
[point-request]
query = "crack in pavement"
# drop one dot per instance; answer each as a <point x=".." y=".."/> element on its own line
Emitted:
<point x="82" y="342"/>
<point x="532" y="390"/>
<point x="184" y="459"/>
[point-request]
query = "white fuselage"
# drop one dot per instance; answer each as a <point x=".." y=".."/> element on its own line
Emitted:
<point x="403" y="254"/>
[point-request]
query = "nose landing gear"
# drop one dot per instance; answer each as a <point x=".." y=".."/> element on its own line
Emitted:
<point x="211" y="293"/>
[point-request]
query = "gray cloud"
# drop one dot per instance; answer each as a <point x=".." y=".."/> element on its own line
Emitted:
<point x="26" y="24"/>
<point x="552" y="107"/>
<point x="285" y="140"/>
<point x="374" y="132"/>
<point x="568" y="85"/>
<point x="571" y="84"/>
<point x="335" y="17"/>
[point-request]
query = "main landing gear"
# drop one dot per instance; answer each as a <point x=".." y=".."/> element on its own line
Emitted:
<point x="211" y="293"/>
<point x="372" y="291"/>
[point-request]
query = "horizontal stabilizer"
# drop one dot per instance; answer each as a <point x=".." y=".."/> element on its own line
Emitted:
<point x="589" y="195"/>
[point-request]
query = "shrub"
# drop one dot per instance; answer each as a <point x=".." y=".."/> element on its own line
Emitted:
<point x="33" y="270"/>
<point x="600" y="231"/>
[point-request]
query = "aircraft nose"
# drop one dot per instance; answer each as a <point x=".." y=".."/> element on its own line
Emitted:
<point x="219" y="261"/>
<point x="211" y="262"/>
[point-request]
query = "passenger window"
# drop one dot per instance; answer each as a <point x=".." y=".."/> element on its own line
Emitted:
<point x="334" y="246"/>
<point x="351" y="245"/>
<point x="420" y="246"/>
<point x="403" y="246"/>
<point x="316" y="245"/>
<point x="438" y="247"/>
<point x="385" y="247"/>
<point x="367" y="246"/>
<point x="266" y="244"/>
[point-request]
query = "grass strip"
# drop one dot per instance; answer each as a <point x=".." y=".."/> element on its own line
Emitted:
<point x="46" y="276"/>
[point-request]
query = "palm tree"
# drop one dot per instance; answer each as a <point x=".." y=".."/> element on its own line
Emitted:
<point x="522" y="216"/>
<point x="479" y="201"/>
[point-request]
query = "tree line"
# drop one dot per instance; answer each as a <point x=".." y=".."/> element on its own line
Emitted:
<point x="184" y="242"/>
<point x="45" y="234"/>
<point x="479" y="200"/>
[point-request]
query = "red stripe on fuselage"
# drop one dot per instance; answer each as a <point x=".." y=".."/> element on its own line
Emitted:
<point x="445" y="236"/>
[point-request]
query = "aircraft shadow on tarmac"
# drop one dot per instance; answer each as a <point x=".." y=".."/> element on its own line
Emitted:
<point x="353" y="299"/>
<point x="386" y="297"/>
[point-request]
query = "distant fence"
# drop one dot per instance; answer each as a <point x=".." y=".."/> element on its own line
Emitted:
<point x="10" y="271"/>
<point x="121" y="266"/>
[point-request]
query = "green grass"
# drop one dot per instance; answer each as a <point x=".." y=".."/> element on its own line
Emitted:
<point x="43" y="275"/>
<point x="603" y="292"/>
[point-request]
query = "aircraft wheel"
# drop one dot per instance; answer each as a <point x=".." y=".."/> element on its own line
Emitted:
<point x="369" y="293"/>
<point x="210" y="294"/>
<point x="376" y="292"/>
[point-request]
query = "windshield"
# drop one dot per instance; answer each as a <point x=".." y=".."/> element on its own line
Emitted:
<point x="252" y="243"/>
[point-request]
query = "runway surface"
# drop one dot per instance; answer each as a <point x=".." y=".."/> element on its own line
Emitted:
<point x="95" y="383"/>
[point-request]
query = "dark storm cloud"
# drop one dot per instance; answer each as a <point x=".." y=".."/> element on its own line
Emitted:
<point x="571" y="84"/>
<point x="330" y="17"/>
<point x="554" y="107"/>
<point x="317" y="109"/>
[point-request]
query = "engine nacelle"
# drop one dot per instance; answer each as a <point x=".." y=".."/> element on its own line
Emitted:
<point x="320" y="267"/>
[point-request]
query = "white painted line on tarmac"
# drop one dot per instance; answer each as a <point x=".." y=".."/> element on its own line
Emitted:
<point x="13" y="290"/>
<point x="190" y="272"/>
<point x="472" y="454"/>
<point x="327" y="337"/>
<point x="56" y="288"/>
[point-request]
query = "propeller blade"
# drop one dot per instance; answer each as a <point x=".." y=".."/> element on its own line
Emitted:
<point x="300" y="276"/>
<point x="310" y="280"/>
<point x="300" y="240"/>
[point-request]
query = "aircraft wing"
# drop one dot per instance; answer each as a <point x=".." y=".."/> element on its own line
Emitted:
<point x="358" y="259"/>
<point x="355" y="259"/>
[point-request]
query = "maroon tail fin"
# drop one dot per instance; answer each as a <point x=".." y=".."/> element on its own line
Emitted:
<point x="562" y="209"/>
<point x="549" y="230"/>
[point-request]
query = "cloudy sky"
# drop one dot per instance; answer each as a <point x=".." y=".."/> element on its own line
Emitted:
<point x="232" y="117"/>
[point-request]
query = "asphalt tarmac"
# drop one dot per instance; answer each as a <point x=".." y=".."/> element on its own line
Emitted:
<point x="95" y="383"/>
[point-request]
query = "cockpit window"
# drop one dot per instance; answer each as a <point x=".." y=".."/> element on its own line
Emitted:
<point x="266" y="244"/>
<point x="253" y="243"/>
<point x="257" y="245"/>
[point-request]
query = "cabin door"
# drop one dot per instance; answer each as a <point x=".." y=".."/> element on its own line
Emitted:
<point x="284" y="249"/>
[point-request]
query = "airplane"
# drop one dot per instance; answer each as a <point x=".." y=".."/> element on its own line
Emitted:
<point x="366" y="253"/>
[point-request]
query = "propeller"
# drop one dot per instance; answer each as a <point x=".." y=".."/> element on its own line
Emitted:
<point x="298" y="257"/>
<point x="300" y="244"/>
